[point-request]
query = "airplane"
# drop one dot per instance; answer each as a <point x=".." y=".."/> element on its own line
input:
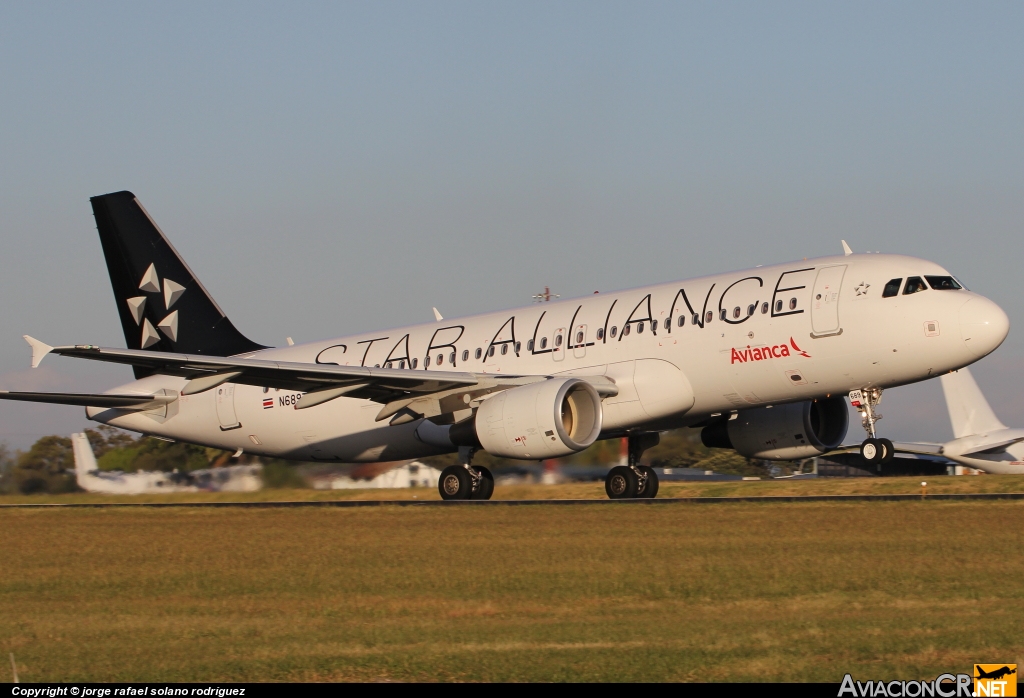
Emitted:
<point x="235" y="478"/>
<point x="760" y="359"/>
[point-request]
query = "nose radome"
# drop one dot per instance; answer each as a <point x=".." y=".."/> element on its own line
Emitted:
<point x="983" y="325"/>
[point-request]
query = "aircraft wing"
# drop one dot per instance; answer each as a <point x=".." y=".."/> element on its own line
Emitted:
<point x="423" y="392"/>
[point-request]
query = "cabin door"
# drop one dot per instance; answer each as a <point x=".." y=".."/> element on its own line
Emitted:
<point x="226" y="407"/>
<point x="825" y="301"/>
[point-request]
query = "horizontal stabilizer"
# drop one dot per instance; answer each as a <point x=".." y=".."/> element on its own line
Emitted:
<point x="92" y="400"/>
<point x="995" y="447"/>
<point x="39" y="350"/>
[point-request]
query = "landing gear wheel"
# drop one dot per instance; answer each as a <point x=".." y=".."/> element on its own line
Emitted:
<point x="621" y="483"/>
<point x="485" y="487"/>
<point x="872" y="451"/>
<point x="890" y="451"/>
<point x="455" y="483"/>
<point x="650" y="490"/>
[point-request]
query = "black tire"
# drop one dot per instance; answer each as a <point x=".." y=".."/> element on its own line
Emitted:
<point x="455" y="483"/>
<point x="650" y="490"/>
<point x="621" y="483"/>
<point x="872" y="451"/>
<point x="890" y="451"/>
<point x="486" y="486"/>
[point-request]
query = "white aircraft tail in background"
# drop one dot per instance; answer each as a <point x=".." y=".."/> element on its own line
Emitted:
<point x="980" y="440"/>
<point x="235" y="478"/>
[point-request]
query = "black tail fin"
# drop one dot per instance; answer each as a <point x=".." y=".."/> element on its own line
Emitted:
<point x="161" y="303"/>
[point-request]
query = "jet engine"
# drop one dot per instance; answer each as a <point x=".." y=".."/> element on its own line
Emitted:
<point x="783" y="432"/>
<point x="549" y="419"/>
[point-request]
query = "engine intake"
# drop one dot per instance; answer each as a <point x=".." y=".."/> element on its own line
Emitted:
<point x="549" y="419"/>
<point x="783" y="432"/>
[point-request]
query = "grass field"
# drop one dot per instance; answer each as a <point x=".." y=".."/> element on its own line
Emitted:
<point x="741" y="591"/>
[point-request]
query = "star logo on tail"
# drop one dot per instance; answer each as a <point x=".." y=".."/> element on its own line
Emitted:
<point x="172" y="291"/>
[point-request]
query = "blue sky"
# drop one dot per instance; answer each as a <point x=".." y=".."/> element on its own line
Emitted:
<point x="338" y="167"/>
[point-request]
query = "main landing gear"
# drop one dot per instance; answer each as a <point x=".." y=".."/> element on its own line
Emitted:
<point x="634" y="481"/>
<point x="466" y="481"/>
<point x="873" y="450"/>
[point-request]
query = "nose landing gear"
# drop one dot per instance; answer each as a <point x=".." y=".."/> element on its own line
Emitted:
<point x="873" y="450"/>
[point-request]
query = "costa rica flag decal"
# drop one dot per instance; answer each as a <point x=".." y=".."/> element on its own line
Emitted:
<point x="268" y="402"/>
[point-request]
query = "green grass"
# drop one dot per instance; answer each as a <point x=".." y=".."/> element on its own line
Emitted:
<point x="746" y="592"/>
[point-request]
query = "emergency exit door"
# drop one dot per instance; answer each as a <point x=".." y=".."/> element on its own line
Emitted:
<point x="825" y="301"/>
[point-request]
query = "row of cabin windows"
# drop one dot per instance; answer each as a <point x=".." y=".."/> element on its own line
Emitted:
<point x="614" y="331"/>
<point x="916" y="284"/>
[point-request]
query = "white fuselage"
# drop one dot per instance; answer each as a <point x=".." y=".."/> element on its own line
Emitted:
<point x="817" y="327"/>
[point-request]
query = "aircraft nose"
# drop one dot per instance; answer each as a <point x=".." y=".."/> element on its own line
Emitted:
<point x="983" y="325"/>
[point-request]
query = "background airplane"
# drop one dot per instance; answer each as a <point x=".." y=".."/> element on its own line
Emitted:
<point x="234" y="478"/>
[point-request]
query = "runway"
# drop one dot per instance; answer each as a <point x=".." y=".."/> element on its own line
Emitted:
<point x="536" y="502"/>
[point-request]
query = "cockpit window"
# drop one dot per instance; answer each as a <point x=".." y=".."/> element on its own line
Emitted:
<point x="892" y="288"/>
<point x="943" y="283"/>
<point x="914" y="284"/>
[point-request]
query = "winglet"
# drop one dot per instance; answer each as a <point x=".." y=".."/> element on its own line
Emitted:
<point x="39" y="350"/>
<point x="437" y="315"/>
<point x="846" y="248"/>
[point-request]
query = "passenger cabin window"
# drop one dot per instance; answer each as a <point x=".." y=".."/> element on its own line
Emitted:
<point x="465" y="355"/>
<point x="518" y="344"/>
<point x="709" y="317"/>
<point x="751" y="308"/>
<point x="504" y="349"/>
<point x="778" y="306"/>
<point x="735" y="312"/>
<point x="764" y="307"/>
<point x="414" y="363"/>
<point x="682" y="320"/>
<point x="478" y="353"/>
<point x="654" y="325"/>
<point x="543" y="342"/>
<point x="401" y="364"/>
<point x="640" y="328"/>
<point x="723" y="313"/>
<point x="626" y="330"/>
<point x="529" y="345"/>
<point x="892" y="288"/>
<point x="600" y="333"/>
<point x="943" y="283"/>
<point x="792" y="303"/>
<point x="451" y="358"/>
<point x="558" y="340"/>
<point x="579" y="338"/>
<point x="914" y="284"/>
<point x="490" y="351"/>
<point x="440" y="359"/>
<point x="615" y="331"/>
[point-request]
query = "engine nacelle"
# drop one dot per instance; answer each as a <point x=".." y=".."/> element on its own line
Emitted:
<point x="783" y="432"/>
<point x="548" y="419"/>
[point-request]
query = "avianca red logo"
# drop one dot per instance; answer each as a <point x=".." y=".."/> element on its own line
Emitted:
<point x="777" y="351"/>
